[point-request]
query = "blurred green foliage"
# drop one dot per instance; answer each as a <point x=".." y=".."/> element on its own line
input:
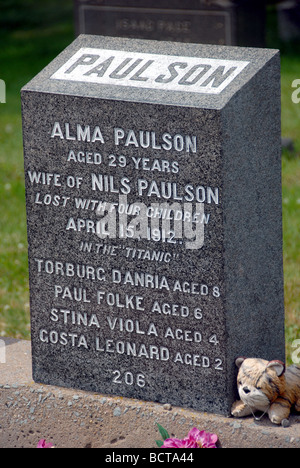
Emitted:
<point x="32" y="14"/>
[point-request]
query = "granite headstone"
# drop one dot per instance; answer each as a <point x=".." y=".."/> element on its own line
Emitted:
<point x="153" y="186"/>
<point x="223" y="22"/>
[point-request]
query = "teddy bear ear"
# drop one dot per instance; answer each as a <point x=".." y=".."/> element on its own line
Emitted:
<point x="277" y="366"/>
<point x="239" y="361"/>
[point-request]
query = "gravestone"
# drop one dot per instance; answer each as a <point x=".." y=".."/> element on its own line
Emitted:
<point x="288" y="13"/>
<point x="153" y="187"/>
<point x="238" y="22"/>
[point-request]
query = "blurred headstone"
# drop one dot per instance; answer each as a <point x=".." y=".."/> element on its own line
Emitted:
<point x="289" y="20"/>
<point x="221" y="22"/>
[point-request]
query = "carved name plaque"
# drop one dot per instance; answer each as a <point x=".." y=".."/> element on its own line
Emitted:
<point x="154" y="218"/>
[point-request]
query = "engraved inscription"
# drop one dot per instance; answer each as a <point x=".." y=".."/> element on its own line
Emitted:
<point x="121" y="201"/>
<point x="140" y="70"/>
<point x="207" y="26"/>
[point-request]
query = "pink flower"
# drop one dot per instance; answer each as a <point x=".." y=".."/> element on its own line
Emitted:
<point x="177" y="443"/>
<point x="206" y="439"/>
<point x="195" y="439"/>
<point x="43" y="444"/>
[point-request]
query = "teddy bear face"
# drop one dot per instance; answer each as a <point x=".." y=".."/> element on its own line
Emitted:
<point x="259" y="383"/>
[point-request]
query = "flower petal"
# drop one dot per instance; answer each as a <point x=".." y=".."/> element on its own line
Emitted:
<point x="208" y="440"/>
<point x="173" y="443"/>
<point x="43" y="444"/>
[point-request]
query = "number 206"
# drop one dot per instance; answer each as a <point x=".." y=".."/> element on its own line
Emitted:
<point x="129" y="379"/>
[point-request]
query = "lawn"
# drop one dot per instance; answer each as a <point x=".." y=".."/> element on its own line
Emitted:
<point x="31" y="36"/>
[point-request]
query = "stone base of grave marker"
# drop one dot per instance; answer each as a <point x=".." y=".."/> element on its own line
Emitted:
<point x="153" y="185"/>
<point x="76" y="419"/>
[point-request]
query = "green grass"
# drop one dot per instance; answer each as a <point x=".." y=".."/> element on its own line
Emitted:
<point x="291" y="244"/>
<point x="32" y="35"/>
<point x="291" y="196"/>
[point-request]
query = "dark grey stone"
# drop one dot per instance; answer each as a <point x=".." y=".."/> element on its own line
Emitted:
<point x="221" y="22"/>
<point x="139" y="305"/>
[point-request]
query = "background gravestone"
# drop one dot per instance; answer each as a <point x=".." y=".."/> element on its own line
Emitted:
<point x="289" y="20"/>
<point x="238" y="22"/>
<point x="153" y="187"/>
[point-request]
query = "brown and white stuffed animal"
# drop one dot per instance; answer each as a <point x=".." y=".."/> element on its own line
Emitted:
<point x="267" y="387"/>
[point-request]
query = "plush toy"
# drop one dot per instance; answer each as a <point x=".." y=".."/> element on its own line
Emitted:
<point x="267" y="387"/>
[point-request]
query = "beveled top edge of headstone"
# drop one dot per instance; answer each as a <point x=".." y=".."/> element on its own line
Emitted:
<point x="252" y="60"/>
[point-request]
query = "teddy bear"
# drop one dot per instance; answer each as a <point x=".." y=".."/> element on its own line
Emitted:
<point x="268" y="387"/>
